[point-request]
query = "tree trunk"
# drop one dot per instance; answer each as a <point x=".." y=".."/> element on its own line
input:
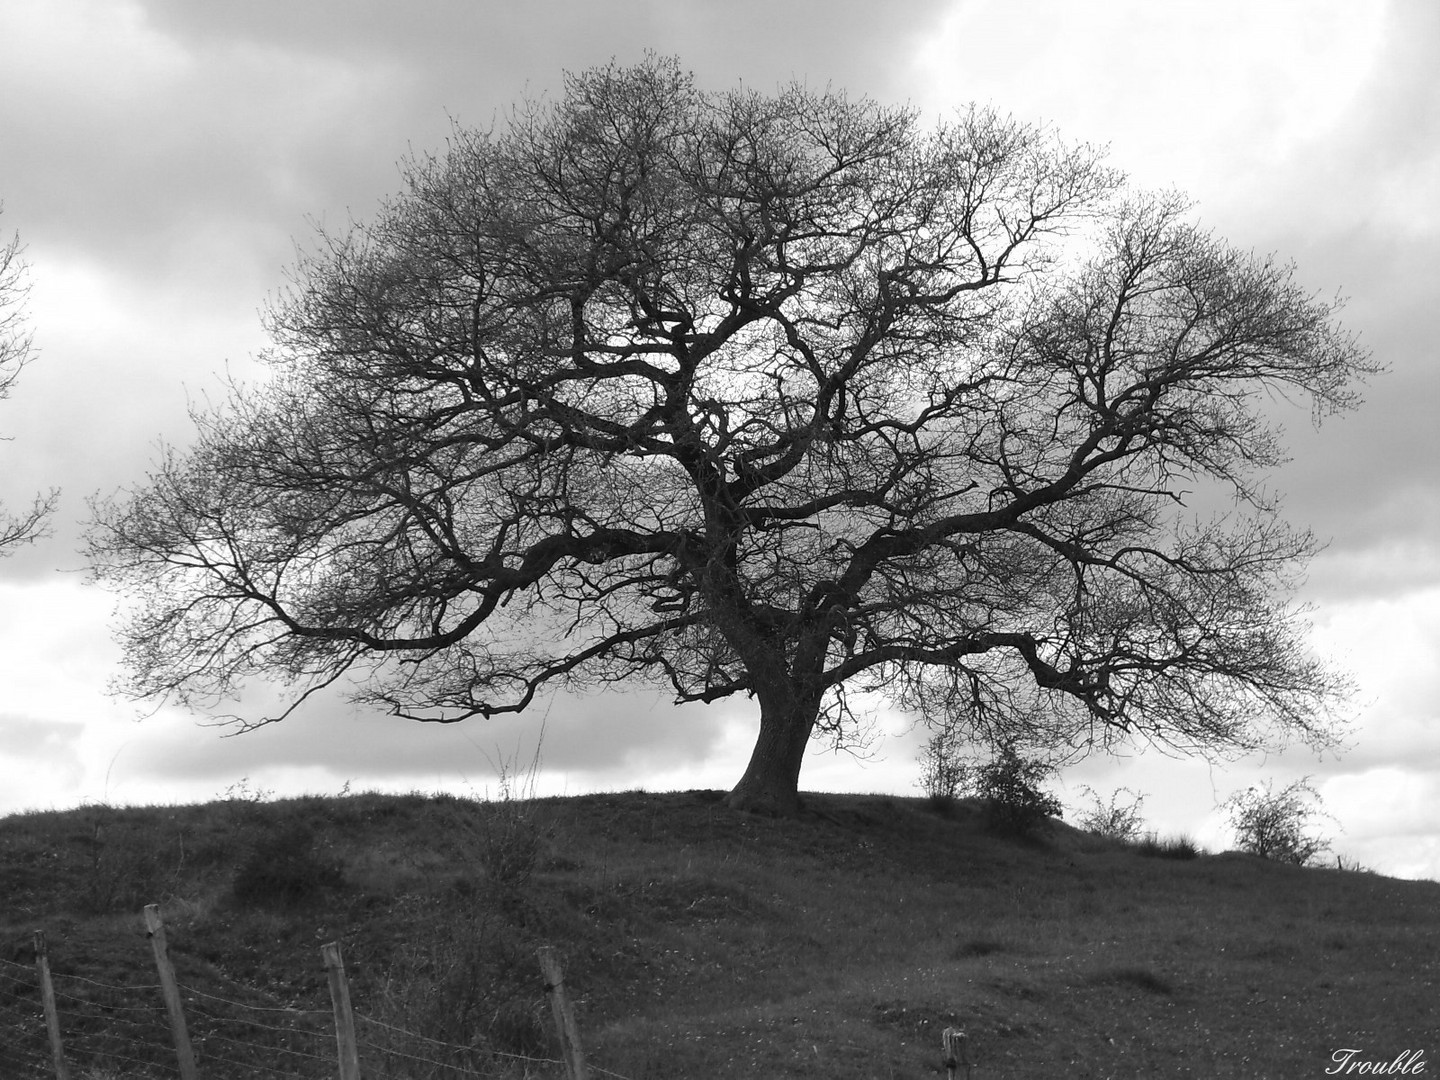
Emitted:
<point x="771" y="784"/>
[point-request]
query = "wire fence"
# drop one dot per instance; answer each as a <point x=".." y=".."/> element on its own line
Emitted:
<point x="393" y="1053"/>
<point x="113" y="1029"/>
<point x="24" y="1051"/>
<point x="123" y="1031"/>
<point x="251" y="1040"/>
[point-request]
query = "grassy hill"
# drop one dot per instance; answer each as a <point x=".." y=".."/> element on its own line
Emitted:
<point x="699" y="942"/>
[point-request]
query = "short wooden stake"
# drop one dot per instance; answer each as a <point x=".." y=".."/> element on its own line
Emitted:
<point x="957" y="1051"/>
<point x="52" y="1014"/>
<point x="155" y="928"/>
<point x="564" y="1016"/>
<point x="344" y="1016"/>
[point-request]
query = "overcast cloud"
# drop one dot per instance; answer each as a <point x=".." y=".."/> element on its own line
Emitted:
<point x="162" y="159"/>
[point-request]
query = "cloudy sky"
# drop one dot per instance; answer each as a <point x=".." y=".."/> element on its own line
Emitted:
<point x="161" y="159"/>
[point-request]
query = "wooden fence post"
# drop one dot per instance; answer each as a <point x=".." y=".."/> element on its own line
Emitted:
<point x="957" y="1051"/>
<point x="52" y="1014"/>
<point x="564" y="1016"/>
<point x="155" y="929"/>
<point x="344" y="1017"/>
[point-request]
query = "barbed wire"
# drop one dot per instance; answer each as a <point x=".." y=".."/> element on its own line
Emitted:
<point x="255" y="1039"/>
<point x="240" y="1033"/>
<point x="448" y="1058"/>
<point x="24" y="1047"/>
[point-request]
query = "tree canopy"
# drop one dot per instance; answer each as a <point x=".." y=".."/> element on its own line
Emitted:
<point x="784" y="395"/>
<point x="15" y="352"/>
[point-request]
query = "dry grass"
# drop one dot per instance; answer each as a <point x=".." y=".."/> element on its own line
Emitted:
<point x="704" y="943"/>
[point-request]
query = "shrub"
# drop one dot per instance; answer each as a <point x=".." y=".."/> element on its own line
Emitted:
<point x="465" y="978"/>
<point x="944" y="774"/>
<point x="283" y="868"/>
<point x="1116" y="819"/>
<point x="498" y="844"/>
<point x="1009" y="783"/>
<point x="1274" y="824"/>
<point x="127" y="864"/>
<point x="504" y="839"/>
<point x="1016" y="803"/>
<point x="508" y="846"/>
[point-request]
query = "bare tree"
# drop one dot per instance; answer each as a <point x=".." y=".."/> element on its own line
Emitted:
<point x="15" y="343"/>
<point x="779" y="395"/>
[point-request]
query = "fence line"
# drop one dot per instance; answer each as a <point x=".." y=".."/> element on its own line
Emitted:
<point x="170" y="990"/>
<point x="386" y="1041"/>
<point x="52" y="1012"/>
<point x="258" y="1040"/>
<point x="25" y="1049"/>
<point x="124" y="1029"/>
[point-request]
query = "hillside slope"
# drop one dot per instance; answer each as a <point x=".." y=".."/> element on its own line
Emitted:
<point x="699" y="942"/>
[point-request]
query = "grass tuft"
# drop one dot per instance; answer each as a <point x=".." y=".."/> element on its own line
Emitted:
<point x="1133" y="977"/>
<point x="1171" y="847"/>
<point x="979" y="947"/>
